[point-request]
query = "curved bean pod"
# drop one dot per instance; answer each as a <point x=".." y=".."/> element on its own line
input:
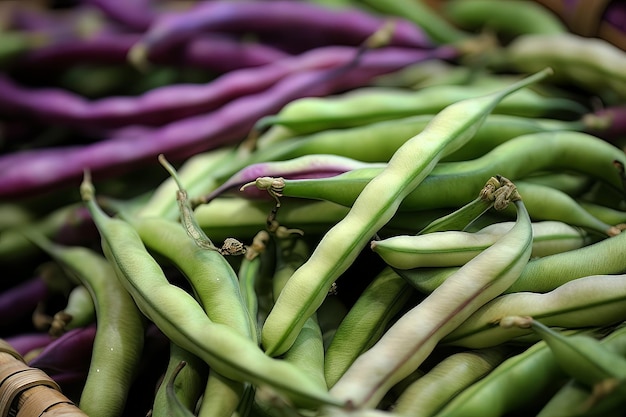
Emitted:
<point x="185" y="137"/>
<point x="512" y="385"/>
<point x="190" y="381"/>
<point x="545" y="274"/>
<point x="439" y="29"/>
<point x="351" y="26"/>
<point x="582" y="357"/>
<point x="515" y="158"/>
<point x="365" y="322"/>
<point x="589" y="63"/>
<point x="377" y="141"/>
<point x="79" y="311"/>
<point x="510" y="18"/>
<point x="306" y="166"/>
<point x="195" y="175"/>
<point x="214" y="53"/>
<point x="70" y="352"/>
<point x="593" y="301"/>
<point x="574" y="398"/>
<point x="307" y="351"/>
<point x="213" y="279"/>
<point x="405" y="345"/>
<point x="446" y="379"/>
<point x="21" y="299"/>
<point x="374" y="207"/>
<point x="118" y="342"/>
<point x="368" y="104"/>
<point x="136" y="15"/>
<point x="165" y="104"/>
<point x="185" y="323"/>
<point x="454" y="248"/>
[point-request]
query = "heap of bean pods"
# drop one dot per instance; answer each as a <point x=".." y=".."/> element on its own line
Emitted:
<point x="311" y="208"/>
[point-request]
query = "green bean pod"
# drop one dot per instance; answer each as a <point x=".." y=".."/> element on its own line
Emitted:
<point x="547" y="273"/>
<point x="420" y="13"/>
<point x="173" y="406"/>
<point x="371" y="104"/>
<point x="377" y="141"/>
<point x="511" y="386"/>
<point x="119" y="340"/>
<point x="582" y="357"/>
<point x="413" y="336"/>
<point x="187" y="382"/>
<point x="454" y="248"/>
<point x="511" y="18"/>
<point x="213" y="279"/>
<point x="427" y="395"/>
<point x="575" y="399"/>
<point x="451" y="182"/>
<point x="307" y="351"/>
<point x="589" y="63"/>
<point x="179" y="316"/>
<point x="374" y="207"/>
<point x="79" y="311"/>
<point x="595" y="300"/>
<point x="365" y="322"/>
<point x="196" y="177"/>
<point x="606" y="214"/>
<point x="221" y="396"/>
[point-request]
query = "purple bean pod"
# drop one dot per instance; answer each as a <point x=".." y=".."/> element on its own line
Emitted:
<point x="136" y="15"/>
<point x="304" y="167"/>
<point x="21" y="300"/>
<point x="37" y="170"/>
<point x="71" y="352"/>
<point x="218" y="53"/>
<point x="615" y="15"/>
<point x="29" y="342"/>
<point x="167" y="103"/>
<point x="343" y="27"/>
<point x="58" y="24"/>
<point x="608" y="123"/>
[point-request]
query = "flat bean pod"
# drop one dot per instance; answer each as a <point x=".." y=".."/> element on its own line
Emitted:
<point x="593" y="301"/>
<point x="405" y="345"/>
<point x="374" y="207"/>
<point x="184" y="322"/>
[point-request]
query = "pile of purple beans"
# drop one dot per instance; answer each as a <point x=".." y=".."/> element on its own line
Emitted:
<point x="167" y="166"/>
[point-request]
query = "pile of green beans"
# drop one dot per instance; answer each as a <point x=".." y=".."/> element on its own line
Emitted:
<point x="448" y="239"/>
